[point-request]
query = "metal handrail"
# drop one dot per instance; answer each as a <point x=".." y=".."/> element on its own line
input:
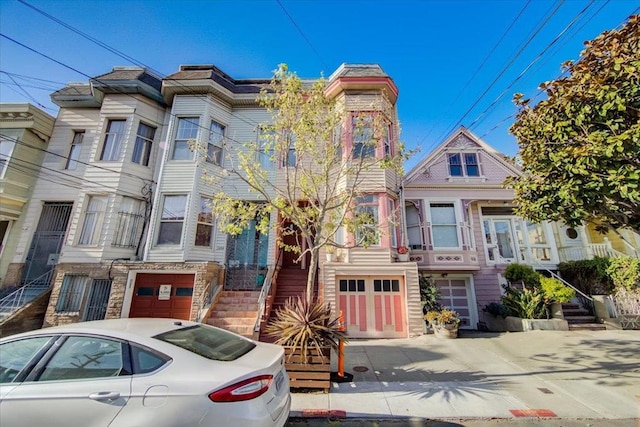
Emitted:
<point x="266" y="290"/>
<point x="15" y="299"/>
<point x="555" y="276"/>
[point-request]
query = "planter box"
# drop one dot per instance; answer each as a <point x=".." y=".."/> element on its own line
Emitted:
<point x="516" y="324"/>
<point x="495" y="324"/>
<point x="315" y="372"/>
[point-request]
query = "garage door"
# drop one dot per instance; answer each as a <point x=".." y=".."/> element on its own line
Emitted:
<point x="373" y="307"/>
<point x="455" y="294"/>
<point x="162" y="295"/>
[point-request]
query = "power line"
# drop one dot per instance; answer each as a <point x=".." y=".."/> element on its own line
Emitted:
<point x="28" y="95"/>
<point x="302" y="34"/>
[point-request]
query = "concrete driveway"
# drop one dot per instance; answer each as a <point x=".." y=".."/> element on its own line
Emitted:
<point x="538" y="374"/>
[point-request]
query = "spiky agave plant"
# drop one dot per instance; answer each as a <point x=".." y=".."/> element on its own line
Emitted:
<point x="306" y="325"/>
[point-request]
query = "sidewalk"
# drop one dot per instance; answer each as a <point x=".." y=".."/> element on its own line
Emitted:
<point x="538" y="374"/>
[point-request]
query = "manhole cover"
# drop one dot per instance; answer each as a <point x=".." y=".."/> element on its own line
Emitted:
<point x="360" y="368"/>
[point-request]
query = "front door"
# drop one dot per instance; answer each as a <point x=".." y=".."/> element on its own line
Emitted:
<point x="162" y="295"/>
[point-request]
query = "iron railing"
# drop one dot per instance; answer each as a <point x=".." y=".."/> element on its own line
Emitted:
<point x="24" y="294"/>
<point x="585" y="300"/>
<point x="266" y="290"/>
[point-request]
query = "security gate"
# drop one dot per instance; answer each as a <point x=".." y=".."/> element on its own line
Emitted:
<point x="246" y="264"/>
<point x="98" y="299"/>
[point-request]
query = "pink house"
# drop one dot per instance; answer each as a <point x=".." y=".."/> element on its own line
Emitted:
<point x="461" y="228"/>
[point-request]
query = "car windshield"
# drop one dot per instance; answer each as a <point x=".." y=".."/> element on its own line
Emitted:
<point x="214" y="344"/>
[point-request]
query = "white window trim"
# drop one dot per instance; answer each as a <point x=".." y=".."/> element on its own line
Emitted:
<point x="121" y="142"/>
<point x="99" y="221"/>
<point x="175" y="139"/>
<point x="7" y="160"/>
<point x="457" y="207"/>
<point x="465" y="178"/>
<point x="159" y="221"/>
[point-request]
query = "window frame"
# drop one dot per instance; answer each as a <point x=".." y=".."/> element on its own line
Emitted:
<point x="179" y="140"/>
<point x="98" y="215"/>
<point x="433" y="226"/>
<point x="72" y="293"/>
<point x="75" y="149"/>
<point x="128" y="235"/>
<point x="162" y="220"/>
<point x="6" y="158"/>
<point x="113" y="146"/>
<point x="362" y="205"/>
<point x="212" y="144"/>
<point x="361" y="150"/>
<point x="462" y="165"/>
<point x="143" y="145"/>
<point x="265" y="147"/>
<point x="200" y="223"/>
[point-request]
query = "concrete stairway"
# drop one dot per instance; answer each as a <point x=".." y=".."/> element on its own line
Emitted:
<point x="15" y="298"/>
<point x="236" y="311"/>
<point x="579" y="318"/>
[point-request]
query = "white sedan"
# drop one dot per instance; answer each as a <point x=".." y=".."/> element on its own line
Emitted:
<point x="141" y="372"/>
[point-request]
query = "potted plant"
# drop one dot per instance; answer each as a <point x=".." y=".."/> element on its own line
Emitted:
<point x="308" y="331"/>
<point x="403" y="253"/>
<point x="444" y="322"/>
<point x="331" y="253"/>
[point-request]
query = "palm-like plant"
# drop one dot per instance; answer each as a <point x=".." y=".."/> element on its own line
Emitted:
<point x="306" y="325"/>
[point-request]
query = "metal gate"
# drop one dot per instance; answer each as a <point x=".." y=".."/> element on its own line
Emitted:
<point x="98" y="299"/>
<point x="47" y="240"/>
<point x="246" y="265"/>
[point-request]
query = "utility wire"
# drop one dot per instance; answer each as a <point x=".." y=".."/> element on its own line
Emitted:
<point x="302" y="34"/>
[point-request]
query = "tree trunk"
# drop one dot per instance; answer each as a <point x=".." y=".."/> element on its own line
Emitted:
<point x="311" y="276"/>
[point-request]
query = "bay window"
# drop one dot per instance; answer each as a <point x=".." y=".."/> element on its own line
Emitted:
<point x="112" y="147"/>
<point x="172" y="220"/>
<point x="444" y="226"/>
<point x="215" y="145"/>
<point x="93" y="219"/>
<point x="187" y="131"/>
<point x="204" y="227"/>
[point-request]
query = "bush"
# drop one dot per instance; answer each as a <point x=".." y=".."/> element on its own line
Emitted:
<point x="519" y="272"/>
<point x="442" y="317"/>
<point x="589" y="276"/>
<point x="526" y="303"/>
<point x="624" y="273"/>
<point x="429" y="294"/>
<point x="555" y="291"/>
<point x="496" y="309"/>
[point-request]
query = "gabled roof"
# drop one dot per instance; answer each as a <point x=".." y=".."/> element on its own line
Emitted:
<point x="438" y="151"/>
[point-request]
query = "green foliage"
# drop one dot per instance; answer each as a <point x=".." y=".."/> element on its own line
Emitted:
<point x="496" y="309"/>
<point x="580" y="148"/>
<point x="429" y="294"/>
<point x="555" y="291"/>
<point x="625" y="273"/>
<point x="306" y="325"/>
<point x="528" y="303"/>
<point x="589" y="276"/>
<point x="442" y="317"/>
<point x="524" y="273"/>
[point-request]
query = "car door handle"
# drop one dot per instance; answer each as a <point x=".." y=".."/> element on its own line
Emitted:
<point x="105" y="395"/>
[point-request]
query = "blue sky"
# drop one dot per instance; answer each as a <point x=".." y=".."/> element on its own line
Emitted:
<point x="455" y="62"/>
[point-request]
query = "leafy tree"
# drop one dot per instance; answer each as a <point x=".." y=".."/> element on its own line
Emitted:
<point x="298" y="169"/>
<point x="580" y="148"/>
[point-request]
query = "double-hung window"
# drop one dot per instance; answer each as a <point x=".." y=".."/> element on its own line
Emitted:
<point x="71" y="293"/>
<point x="74" y="151"/>
<point x="364" y="144"/>
<point x="142" y="147"/>
<point x="367" y="232"/>
<point x="172" y="220"/>
<point x="463" y="164"/>
<point x="215" y="146"/>
<point x="266" y="144"/>
<point x="6" y="149"/>
<point x="444" y="229"/>
<point x="129" y="226"/>
<point x="113" y="137"/>
<point x="204" y="229"/>
<point x="186" y="134"/>
<point x="289" y="158"/>
<point x="93" y="218"/>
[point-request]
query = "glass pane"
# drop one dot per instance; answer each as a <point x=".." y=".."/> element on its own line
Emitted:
<point x="170" y="233"/>
<point x="214" y="344"/>
<point x="503" y="235"/>
<point x="145" y="361"/>
<point x="395" y="285"/>
<point x="386" y="285"/>
<point x="203" y="235"/>
<point x="15" y="355"/>
<point x="174" y="207"/>
<point x="182" y="151"/>
<point x="443" y="213"/>
<point x="187" y="128"/>
<point x="377" y="285"/>
<point x="536" y="234"/>
<point x="84" y="357"/>
<point x="352" y="285"/>
<point x="445" y="236"/>
<point x="360" y="285"/>
<point x="343" y="286"/>
<point x="184" y="292"/>
<point x="144" y="291"/>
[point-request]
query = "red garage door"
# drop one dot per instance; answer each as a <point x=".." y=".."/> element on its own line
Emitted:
<point x="162" y="295"/>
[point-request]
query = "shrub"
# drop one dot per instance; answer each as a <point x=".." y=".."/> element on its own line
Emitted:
<point x="624" y="273"/>
<point x="519" y="272"/>
<point x="442" y="317"/>
<point x="555" y="291"/>
<point x="429" y="294"/>
<point x="526" y="303"/>
<point x="496" y="309"/>
<point x="589" y="276"/>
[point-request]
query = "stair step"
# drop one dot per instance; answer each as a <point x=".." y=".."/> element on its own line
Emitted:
<point x="587" y="327"/>
<point x="237" y="300"/>
<point x="575" y="312"/>
<point x="222" y="314"/>
<point x="580" y="319"/>
<point x="570" y="306"/>
<point x="233" y="321"/>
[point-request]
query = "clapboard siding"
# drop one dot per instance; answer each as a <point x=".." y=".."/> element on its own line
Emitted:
<point x="371" y="255"/>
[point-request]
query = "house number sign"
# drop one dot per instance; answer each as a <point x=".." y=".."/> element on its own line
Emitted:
<point x="165" y="292"/>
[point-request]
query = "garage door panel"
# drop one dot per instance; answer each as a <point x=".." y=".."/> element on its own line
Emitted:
<point x="176" y="303"/>
<point x="454" y="294"/>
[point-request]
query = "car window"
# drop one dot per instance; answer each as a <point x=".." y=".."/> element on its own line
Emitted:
<point x="145" y="360"/>
<point x="212" y="343"/>
<point x="15" y="355"/>
<point x="84" y="357"/>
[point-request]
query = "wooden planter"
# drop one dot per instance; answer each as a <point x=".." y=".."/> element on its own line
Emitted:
<point x="315" y="372"/>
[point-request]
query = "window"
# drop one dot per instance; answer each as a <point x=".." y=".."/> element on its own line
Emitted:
<point x="266" y="141"/>
<point x="204" y="229"/>
<point x="214" y="344"/>
<point x="367" y="216"/>
<point x="463" y="164"/>
<point x="352" y="285"/>
<point x="532" y="241"/>
<point x="142" y="147"/>
<point x="83" y="357"/>
<point x="187" y="131"/>
<point x="364" y="144"/>
<point x="93" y="217"/>
<point x="71" y="293"/>
<point x="113" y="140"/>
<point x="393" y="223"/>
<point x="129" y="226"/>
<point x="15" y="356"/>
<point x="289" y="158"/>
<point x="6" y="149"/>
<point x="146" y="360"/>
<point x="444" y="228"/>
<point x="74" y="151"/>
<point x="386" y="139"/>
<point x="173" y="213"/>
<point x="216" y="139"/>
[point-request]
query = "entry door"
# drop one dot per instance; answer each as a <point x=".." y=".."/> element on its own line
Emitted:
<point x="162" y="295"/>
<point x="500" y="241"/>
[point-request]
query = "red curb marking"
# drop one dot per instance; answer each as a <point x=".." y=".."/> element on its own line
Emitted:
<point x="540" y="413"/>
<point x="324" y="413"/>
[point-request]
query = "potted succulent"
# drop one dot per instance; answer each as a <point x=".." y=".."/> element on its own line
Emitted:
<point x="444" y="322"/>
<point x="331" y="253"/>
<point x="403" y="253"/>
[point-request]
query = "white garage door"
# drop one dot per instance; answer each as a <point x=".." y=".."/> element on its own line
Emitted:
<point x="455" y="293"/>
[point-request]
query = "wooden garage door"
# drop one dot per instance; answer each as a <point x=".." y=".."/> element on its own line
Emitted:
<point x="373" y="307"/>
<point x="162" y="295"/>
